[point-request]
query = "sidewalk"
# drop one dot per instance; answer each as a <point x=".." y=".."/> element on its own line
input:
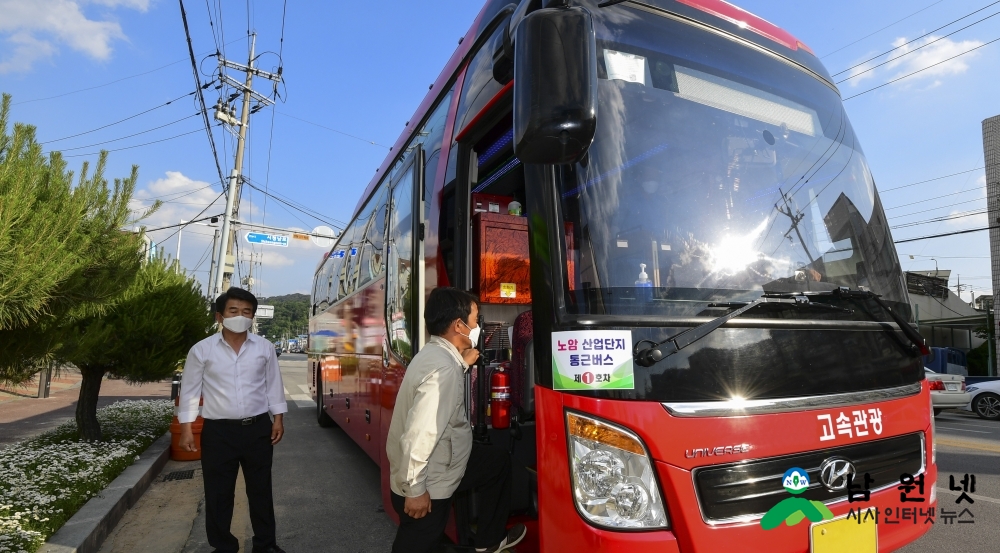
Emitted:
<point x="23" y="415"/>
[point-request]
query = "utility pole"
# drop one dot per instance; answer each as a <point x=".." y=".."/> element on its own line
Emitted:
<point x="225" y="269"/>
<point x="210" y="284"/>
<point x="177" y="258"/>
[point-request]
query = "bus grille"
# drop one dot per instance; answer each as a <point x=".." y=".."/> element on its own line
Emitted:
<point x="745" y="491"/>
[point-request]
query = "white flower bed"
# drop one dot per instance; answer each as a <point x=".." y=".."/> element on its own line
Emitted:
<point x="45" y="480"/>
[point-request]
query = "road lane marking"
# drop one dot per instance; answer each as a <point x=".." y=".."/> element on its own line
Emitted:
<point x="975" y="497"/>
<point x="964" y="430"/>
<point x="966" y="445"/>
<point x="966" y="421"/>
<point x="303" y="401"/>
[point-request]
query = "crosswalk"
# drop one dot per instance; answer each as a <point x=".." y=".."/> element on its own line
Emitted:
<point x="303" y="400"/>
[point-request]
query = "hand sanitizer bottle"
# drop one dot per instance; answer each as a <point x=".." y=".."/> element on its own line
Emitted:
<point x="643" y="286"/>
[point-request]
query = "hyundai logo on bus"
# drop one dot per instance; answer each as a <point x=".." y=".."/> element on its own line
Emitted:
<point x="836" y="472"/>
<point x="267" y="239"/>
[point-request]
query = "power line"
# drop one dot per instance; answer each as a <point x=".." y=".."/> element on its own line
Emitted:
<point x="298" y="206"/>
<point x="201" y="97"/>
<point x="181" y="192"/>
<point x="967" y="231"/>
<point x="941" y="219"/>
<point x="334" y="130"/>
<point x="100" y="85"/>
<point x="119" y="121"/>
<point x="318" y="216"/>
<point x="880" y="30"/>
<point x="922" y="70"/>
<point x="930" y="180"/>
<point x="934" y="208"/>
<point x="918" y="48"/>
<point x="918" y="38"/>
<point x="137" y="145"/>
<point x="937" y="197"/>
<point x="129" y="136"/>
<point x="186" y="223"/>
<point x="948" y="257"/>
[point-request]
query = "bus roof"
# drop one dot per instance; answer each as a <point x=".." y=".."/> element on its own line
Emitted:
<point x="715" y="13"/>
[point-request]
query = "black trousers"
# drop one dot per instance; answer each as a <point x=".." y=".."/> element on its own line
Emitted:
<point x="488" y="473"/>
<point x="225" y="447"/>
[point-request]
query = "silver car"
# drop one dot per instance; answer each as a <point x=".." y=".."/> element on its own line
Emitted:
<point x="985" y="399"/>
<point x="947" y="391"/>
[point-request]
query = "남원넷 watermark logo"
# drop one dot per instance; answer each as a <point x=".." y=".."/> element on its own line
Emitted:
<point x="793" y="510"/>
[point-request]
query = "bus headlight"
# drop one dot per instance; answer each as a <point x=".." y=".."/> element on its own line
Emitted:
<point x="614" y="484"/>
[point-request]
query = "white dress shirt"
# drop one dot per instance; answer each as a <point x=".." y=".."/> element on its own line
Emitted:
<point x="234" y="386"/>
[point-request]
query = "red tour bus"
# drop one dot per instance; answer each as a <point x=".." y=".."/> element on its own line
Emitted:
<point x="685" y="274"/>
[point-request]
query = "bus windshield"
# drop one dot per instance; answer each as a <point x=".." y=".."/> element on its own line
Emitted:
<point x="719" y="172"/>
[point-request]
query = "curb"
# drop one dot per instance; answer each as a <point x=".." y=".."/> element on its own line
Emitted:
<point x="85" y="531"/>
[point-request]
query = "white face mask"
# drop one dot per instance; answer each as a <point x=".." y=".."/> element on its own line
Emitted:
<point x="237" y="324"/>
<point x="473" y="335"/>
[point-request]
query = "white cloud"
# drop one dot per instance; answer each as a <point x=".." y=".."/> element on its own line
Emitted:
<point x="183" y="198"/>
<point x="920" y="55"/>
<point x="32" y="28"/>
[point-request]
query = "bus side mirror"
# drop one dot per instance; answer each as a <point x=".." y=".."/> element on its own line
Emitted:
<point x="555" y="86"/>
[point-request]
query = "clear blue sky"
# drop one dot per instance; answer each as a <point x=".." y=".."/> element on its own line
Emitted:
<point x="361" y="69"/>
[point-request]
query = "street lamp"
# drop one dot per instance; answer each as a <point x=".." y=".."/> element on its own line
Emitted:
<point x="935" y="267"/>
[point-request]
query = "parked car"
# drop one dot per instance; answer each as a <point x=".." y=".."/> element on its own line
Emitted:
<point x="985" y="399"/>
<point x="947" y="391"/>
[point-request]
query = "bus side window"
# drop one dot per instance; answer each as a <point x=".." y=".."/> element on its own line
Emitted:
<point x="432" y="134"/>
<point x="344" y="287"/>
<point x="399" y="254"/>
<point x="479" y="86"/>
<point x="372" y="261"/>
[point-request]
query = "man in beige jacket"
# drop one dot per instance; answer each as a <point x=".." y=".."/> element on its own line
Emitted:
<point x="430" y="449"/>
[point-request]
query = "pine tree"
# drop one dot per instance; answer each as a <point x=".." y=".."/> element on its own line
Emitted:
<point x="143" y="338"/>
<point x="63" y="253"/>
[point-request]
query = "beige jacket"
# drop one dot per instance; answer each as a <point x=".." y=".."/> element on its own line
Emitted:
<point x="430" y="438"/>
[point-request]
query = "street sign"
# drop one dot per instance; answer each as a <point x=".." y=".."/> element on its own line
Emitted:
<point x="339" y="253"/>
<point x="264" y="312"/>
<point x="300" y="236"/>
<point x="267" y="239"/>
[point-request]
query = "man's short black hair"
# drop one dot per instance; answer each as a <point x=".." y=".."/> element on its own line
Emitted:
<point x="444" y="305"/>
<point x="235" y="293"/>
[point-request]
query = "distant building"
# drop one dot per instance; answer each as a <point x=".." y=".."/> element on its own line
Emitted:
<point x="942" y="317"/>
<point x="991" y="154"/>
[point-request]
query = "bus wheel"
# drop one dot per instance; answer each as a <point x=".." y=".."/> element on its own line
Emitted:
<point x="322" y="417"/>
<point x="987" y="406"/>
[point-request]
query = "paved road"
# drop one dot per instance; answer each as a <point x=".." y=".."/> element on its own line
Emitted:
<point x="326" y="490"/>
<point x="966" y="445"/>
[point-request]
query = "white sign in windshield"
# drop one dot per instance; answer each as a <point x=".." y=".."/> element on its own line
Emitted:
<point x="592" y="360"/>
<point x="626" y="67"/>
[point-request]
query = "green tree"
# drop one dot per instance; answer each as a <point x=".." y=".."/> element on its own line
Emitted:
<point x="291" y="316"/>
<point x="143" y="338"/>
<point x="63" y="255"/>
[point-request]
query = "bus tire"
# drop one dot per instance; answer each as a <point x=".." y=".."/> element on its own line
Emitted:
<point x="987" y="406"/>
<point x="322" y="417"/>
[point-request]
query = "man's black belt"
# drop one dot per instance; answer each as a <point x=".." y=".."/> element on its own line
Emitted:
<point x="244" y="422"/>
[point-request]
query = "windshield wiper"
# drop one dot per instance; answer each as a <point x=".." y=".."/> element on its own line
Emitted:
<point x="656" y="351"/>
<point x="918" y="341"/>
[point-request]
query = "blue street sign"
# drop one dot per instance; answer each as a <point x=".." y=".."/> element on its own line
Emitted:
<point x="267" y="239"/>
<point x="354" y="252"/>
<point x="338" y="253"/>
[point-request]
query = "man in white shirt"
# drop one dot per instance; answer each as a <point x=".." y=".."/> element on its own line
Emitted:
<point x="236" y="373"/>
<point x="429" y="445"/>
